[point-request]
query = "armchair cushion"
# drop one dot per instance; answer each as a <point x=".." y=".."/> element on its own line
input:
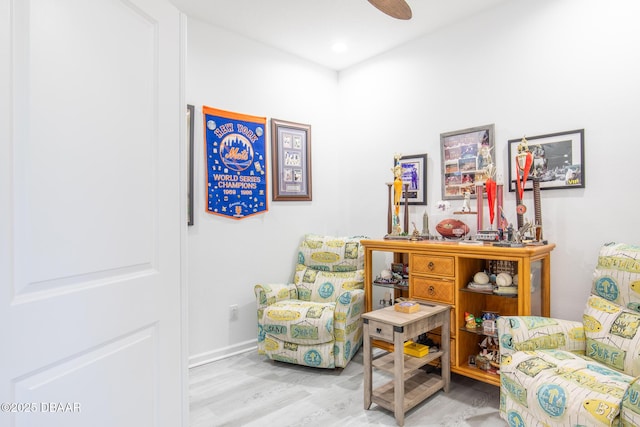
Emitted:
<point x="528" y="333"/>
<point x="300" y="322"/>
<point x="617" y="275"/>
<point x="612" y="335"/>
<point x="315" y="355"/>
<point x="325" y="286"/>
<point x="557" y="387"/>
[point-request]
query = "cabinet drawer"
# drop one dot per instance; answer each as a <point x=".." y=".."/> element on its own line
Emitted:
<point x="432" y="289"/>
<point x="431" y="264"/>
<point x="380" y="331"/>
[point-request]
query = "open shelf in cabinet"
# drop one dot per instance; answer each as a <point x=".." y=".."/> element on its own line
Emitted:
<point x="478" y="331"/>
<point x="398" y="290"/>
<point x="478" y="374"/>
<point x="478" y="302"/>
<point x="401" y="286"/>
<point x="473" y="291"/>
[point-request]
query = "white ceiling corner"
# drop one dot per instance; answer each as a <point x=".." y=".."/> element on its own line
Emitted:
<point x="309" y="28"/>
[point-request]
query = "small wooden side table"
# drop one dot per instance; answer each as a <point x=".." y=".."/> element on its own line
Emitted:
<point x="410" y="385"/>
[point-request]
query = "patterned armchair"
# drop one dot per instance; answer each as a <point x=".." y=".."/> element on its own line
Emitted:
<point x="563" y="373"/>
<point x="315" y="321"/>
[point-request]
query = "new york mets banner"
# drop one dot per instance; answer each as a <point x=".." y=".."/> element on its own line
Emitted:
<point x="236" y="163"/>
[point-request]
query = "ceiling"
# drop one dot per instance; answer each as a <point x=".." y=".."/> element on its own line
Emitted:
<point x="309" y="28"/>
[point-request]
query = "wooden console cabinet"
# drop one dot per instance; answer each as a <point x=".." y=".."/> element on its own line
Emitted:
<point x="439" y="272"/>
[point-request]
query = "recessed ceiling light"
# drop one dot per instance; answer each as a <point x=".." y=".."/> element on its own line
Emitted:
<point x="339" y="47"/>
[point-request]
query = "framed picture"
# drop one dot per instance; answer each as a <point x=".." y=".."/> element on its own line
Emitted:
<point x="291" y="151"/>
<point x="414" y="175"/>
<point x="558" y="160"/>
<point x="472" y="360"/>
<point x="465" y="155"/>
<point x="190" y="120"/>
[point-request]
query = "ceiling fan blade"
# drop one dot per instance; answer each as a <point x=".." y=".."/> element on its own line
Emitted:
<point x="395" y="8"/>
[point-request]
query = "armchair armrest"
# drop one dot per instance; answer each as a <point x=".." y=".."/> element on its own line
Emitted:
<point x="272" y="293"/>
<point x="349" y="306"/>
<point x="347" y="325"/>
<point x="528" y="333"/>
<point x="267" y="295"/>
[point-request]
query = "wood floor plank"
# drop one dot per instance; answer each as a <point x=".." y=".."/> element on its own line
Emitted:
<point x="249" y="390"/>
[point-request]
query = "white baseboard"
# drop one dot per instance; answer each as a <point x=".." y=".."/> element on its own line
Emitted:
<point x="212" y="356"/>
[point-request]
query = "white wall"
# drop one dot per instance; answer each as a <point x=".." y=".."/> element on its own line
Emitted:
<point x="531" y="68"/>
<point x="228" y="257"/>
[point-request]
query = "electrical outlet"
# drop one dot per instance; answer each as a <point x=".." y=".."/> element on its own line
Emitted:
<point x="233" y="311"/>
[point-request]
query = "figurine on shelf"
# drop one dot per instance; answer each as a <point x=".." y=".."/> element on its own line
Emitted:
<point x="470" y="320"/>
<point x="486" y="161"/>
<point x="523" y="234"/>
<point x="466" y="202"/>
<point x="415" y="235"/>
<point x="510" y="233"/>
<point x="425" y="224"/>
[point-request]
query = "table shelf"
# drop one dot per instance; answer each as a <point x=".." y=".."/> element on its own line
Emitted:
<point x="411" y="363"/>
<point x="417" y="387"/>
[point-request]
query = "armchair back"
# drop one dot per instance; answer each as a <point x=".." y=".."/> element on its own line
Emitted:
<point x="611" y="318"/>
<point x="328" y="267"/>
<point x="327" y="253"/>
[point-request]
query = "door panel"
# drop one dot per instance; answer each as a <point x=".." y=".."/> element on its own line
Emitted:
<point x="91" y="105"/>
<point x="91" y="220"/>
<point x="125" y="361"/>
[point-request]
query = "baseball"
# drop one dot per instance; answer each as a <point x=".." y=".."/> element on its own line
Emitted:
<point x="504" y="279"/>
<point x="481" y="278"/>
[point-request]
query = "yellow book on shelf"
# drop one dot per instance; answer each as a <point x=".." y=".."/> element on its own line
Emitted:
<point x="414" y="349"/>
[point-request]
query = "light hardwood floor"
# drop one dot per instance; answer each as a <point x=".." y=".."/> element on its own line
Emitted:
<point x="250" y="390"/>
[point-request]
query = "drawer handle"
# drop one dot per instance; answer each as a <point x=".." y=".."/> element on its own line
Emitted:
<point x="378" y="330"/>
<point x="431" y="265"/>
<point x="432" y="290"/>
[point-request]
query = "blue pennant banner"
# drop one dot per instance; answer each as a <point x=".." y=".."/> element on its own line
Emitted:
<point x="236" y="163"/>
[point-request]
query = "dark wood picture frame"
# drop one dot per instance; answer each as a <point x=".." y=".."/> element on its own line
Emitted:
<point x="558" y="159"/>
<point x="291" y="154"/>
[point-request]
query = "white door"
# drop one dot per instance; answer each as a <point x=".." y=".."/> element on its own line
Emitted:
<point x="91" y="216"/>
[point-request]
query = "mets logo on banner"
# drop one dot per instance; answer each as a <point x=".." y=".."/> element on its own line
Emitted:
<point x="236" y="152"/>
